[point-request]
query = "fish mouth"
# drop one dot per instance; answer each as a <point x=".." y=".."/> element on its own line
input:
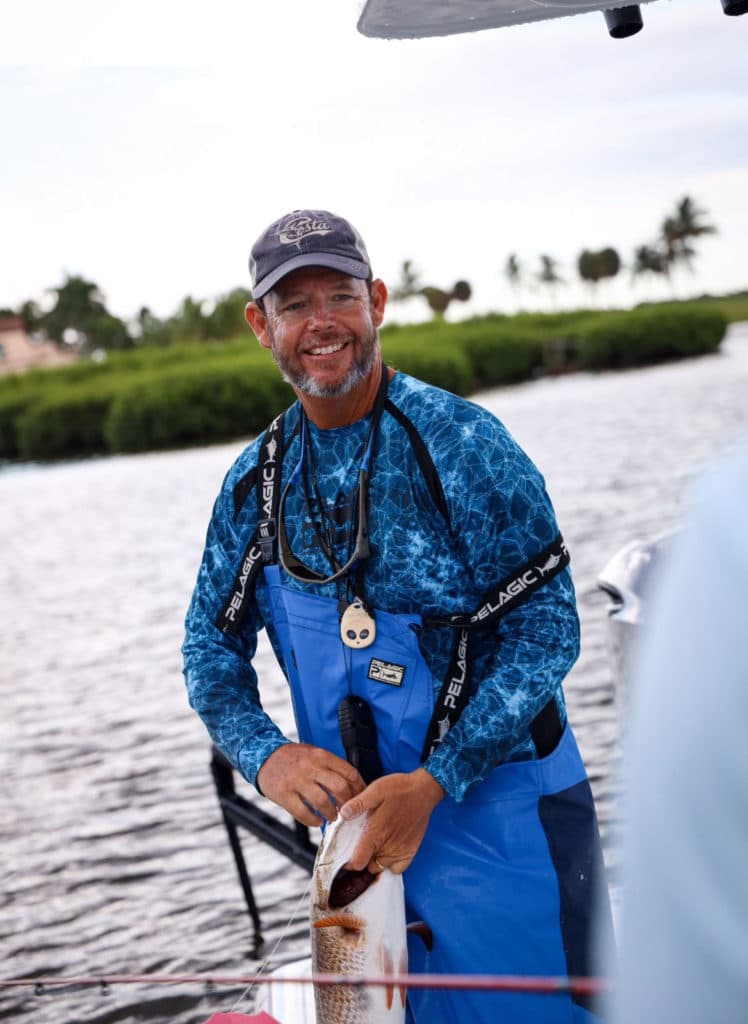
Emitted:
<point x="348" y="885"/>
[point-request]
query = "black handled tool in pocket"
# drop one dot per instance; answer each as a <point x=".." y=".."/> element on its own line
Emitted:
<point x="358" y="731"/>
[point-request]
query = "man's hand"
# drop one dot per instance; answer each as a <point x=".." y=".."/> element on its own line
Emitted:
<point x="399" y="807"/>
<point x="304" y="779"/>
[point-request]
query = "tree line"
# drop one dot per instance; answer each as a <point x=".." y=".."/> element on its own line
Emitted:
<point x="78" y="319"/>
<point x="77" y="316"/>
<point x="672" y="247"/>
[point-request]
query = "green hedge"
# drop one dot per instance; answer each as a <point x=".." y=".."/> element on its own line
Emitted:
<point x="65" y="424"/>
<point x="442" y="364"/>
<point x="463" y="357"/>
<point x="65" y="413"/>
<point x="649" y="335"/>
<point x="203" y="393"/>
<point x="12" y="406"/>
<point x="502" y="355"/>
<point x="197" y="405"/>
<point x="733" y="305"/>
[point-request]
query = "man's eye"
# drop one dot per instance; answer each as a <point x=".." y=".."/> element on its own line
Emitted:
<point x="342" y="297"/>
<point x="293" y="307"/>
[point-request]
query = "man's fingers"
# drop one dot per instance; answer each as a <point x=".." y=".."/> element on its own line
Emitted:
<point x="367" y="801"/>
<point x="397" y="867"/>
<point x="362" y="803"/>
<point x="303" y="812"/>
<point x="337" y="775"/>
<point x="371" y="840"/>
<point x="340" y="788"/>
<point x="364" y="855"/>
<point x="375" y="866"/>
<point x="352" y="809"/>
<point x="321" y="800"/>
<point x="398" y="808"/>
<point x="351" y="774"/>
<point x="298" y="776"/>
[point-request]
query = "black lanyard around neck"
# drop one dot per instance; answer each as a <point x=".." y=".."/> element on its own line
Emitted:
<point x="361" y="548"/>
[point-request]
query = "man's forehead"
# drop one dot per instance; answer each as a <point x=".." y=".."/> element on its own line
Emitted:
<point x="308" y="277"/>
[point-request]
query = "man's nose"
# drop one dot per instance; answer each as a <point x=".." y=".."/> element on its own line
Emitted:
<point x="321" y="313"/>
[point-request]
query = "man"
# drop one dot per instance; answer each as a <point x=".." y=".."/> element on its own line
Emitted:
<point x="402" y="553"/>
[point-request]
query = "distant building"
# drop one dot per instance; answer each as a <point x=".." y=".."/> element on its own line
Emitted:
<point x="20" y="352"/>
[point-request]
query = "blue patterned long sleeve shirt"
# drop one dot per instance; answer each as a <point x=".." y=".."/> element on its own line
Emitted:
<point x="446" y="525"/>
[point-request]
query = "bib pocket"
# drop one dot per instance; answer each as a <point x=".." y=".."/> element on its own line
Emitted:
<point x="391" y="674"/>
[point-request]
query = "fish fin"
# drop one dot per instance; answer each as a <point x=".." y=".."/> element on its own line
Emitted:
<point x="388" y="968"/>
<point x="349" y="922"/>
<point x="422" y="929"/>
<point x="403" y="969"/>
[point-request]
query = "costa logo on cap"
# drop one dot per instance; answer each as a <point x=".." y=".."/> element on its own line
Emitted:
<point x="306" y="238"/>
<point x="293" y="231"/>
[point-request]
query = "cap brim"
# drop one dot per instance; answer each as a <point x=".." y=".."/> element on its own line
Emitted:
<point x="353" y="268"/>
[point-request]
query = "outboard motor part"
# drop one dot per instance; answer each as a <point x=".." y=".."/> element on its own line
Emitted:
<point x="627" y="579"/>
<point x="623" y="22"/>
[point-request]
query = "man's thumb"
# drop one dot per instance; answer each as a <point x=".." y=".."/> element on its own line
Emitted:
<point x="353" y="808"/>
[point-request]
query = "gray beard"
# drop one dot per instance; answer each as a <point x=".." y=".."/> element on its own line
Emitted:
<point x="305" y="383"/>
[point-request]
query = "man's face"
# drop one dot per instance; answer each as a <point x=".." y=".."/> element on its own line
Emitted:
<point x="321" y="327"/>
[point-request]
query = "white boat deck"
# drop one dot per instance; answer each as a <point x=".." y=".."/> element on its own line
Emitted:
<point x="289" y="1004"/>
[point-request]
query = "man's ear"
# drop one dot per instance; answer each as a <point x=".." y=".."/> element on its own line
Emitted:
<point x="378" y="300"/>
<point x="258" y="322"/>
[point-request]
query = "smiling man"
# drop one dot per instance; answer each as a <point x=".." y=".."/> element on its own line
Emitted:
<point x="321" y="327"/>
<point x="402" y="553"/>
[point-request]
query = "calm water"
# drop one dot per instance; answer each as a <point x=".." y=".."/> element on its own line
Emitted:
<point x="113" y="856"/>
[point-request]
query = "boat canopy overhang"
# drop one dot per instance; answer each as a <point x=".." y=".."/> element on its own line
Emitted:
<point x="416" y="19"/>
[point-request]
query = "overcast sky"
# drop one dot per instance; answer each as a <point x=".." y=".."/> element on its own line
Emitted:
<point x="145" y="145"/>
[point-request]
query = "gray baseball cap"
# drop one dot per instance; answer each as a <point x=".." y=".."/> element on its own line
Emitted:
<point x="306" y="238"/>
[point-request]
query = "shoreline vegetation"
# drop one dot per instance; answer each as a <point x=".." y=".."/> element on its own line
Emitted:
<point x="154" y="398"/>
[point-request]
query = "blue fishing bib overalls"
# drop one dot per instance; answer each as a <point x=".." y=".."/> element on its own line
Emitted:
<point x="504" y="878"/>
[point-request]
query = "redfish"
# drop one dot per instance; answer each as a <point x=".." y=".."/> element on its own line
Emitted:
<point x="358" y="928"/>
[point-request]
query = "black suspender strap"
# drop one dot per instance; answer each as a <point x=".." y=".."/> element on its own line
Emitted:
<point x="509" y="593"/>
<point x="453" y="695"/>
<point x="262" y="548"/>
<point x="270" y="467"/>
<point x="514" y="589"/>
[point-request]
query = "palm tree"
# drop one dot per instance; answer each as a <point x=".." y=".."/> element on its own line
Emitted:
<point x="437" y="298"/>
<point x="409" y="283"/>
<point x="548" y="274"/>
<point x="681" y="226"/>
<point x="648" y="259"/>
<point x="513" y="272"/>
<point x="595" y="265"/>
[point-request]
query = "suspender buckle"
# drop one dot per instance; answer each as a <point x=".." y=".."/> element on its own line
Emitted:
<point x="266" y="534"/>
